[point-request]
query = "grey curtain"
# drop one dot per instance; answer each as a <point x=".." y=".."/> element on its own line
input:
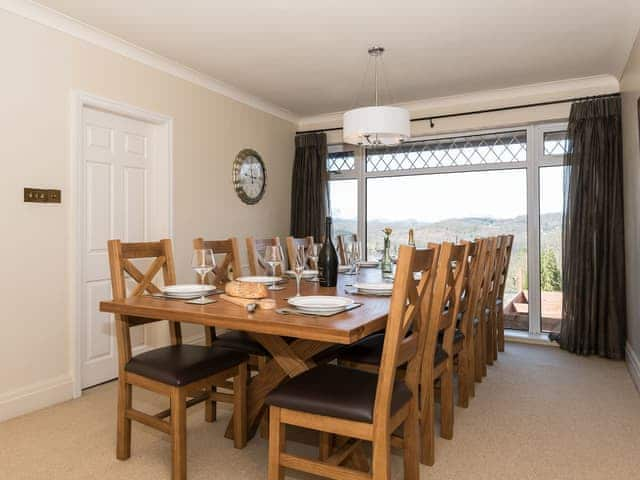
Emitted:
<point x="593" y="286"/>
<point x="309" y="186"/>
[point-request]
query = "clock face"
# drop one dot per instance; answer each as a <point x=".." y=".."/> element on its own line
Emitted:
<point x="249" y="176"/>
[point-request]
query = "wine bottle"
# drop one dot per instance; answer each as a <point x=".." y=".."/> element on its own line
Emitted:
<point x="412" y="242"/>
<point x="328" y="259"/>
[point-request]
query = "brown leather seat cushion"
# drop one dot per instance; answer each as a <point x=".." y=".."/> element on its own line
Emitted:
<point x="336" y="392"/>
<point x="183" y="364"/>
<point x="241" y="342"/>
<point x="369" y="351"/>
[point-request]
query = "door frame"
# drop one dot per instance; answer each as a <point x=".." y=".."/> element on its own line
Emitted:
<point x="164" y="135"/>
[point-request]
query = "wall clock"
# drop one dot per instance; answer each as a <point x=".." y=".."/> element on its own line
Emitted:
<point x="249" y="176"/>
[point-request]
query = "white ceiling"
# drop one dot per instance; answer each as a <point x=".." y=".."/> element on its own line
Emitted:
<point x="310" y="57"/>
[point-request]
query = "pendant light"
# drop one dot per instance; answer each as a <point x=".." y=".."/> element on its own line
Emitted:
<point x="376" y="125"/>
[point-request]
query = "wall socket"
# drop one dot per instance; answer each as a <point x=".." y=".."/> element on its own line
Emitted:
<point x="41" y="195"/>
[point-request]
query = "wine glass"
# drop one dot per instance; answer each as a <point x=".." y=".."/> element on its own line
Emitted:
<point x="274" y="256"/>
<point x="203" y="262"/>
<point x="298" y="266"/>
<point x="355" y="257"/>
<point x="313" y="252"/>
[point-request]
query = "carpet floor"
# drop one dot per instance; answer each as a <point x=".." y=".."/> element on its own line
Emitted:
<point x="540" y="414"/>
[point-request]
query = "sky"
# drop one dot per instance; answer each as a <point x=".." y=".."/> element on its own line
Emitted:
<point x="431" y="198"/>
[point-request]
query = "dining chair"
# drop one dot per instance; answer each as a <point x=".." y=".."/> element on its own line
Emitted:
<point x="230" y="267"/>
<point x="463" y="340"/>
<point x="484" y="311"/>
<point x="342" y="242"/>
<point x="183" y="373"/>
<point x="476" y="307"/>
<point x="438" y="352"/>
<point x="254" y="247"/>
<point x="360" y="405"/>
<point x="294" y="243"/>
<point x="506" y="260"/>
<point x="492" y="331"/>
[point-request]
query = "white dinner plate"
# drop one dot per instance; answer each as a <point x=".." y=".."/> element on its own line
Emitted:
<point x="374" y="287"/>
<point x="305" y="274"/>
<point x="344" y="268"/>
<point x="259" y="279"/>
<point x="180" y="291"/>
<point x="320" y="303"/>
<point x="368" y="264"/>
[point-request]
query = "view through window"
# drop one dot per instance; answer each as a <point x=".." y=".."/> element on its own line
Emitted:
<point x="465" y="187"/>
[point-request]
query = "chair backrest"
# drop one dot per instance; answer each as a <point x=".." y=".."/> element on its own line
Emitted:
<point x="440" y="318"/>
<point x="467" y="297"/>
<point x="293" y="244"/>
<point x="489" y="274"/>
<point x="478" y="272"/>
<point x="498" y="261"/>
<point x="403" y="330"/>
<point x="343" y="241"/>
<point x="120" y="256"/>
<point x="255" y="247"/>
<point x="507" y="246"/>
<point x="230" y="267"/>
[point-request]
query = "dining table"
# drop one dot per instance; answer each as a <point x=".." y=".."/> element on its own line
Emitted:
<point x="292" y="339"/>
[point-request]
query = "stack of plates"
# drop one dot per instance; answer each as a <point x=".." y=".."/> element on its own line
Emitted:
<point x="305" y="273"/>
<point x="186" y="292"/>
<point x="320" y="304"/>
<point x="257" y="279"/>
<point x="382" y="288"/>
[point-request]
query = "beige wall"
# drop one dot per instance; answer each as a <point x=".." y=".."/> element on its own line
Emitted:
<point x="40" y="69"/>
<point x="630" y="88"/>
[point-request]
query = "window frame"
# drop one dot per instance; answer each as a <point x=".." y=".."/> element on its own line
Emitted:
<point x="535" y="159"/>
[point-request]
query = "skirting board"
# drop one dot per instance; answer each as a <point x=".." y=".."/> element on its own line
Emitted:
<point x="633" y="364"/>
<point x="35" y="396"/>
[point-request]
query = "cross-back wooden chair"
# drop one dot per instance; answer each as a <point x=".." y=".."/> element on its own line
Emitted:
<point x="463" y="345"/>
<point x="437" y="363"/>
<point x="342" y="242"/>
<point x="506" y="260"/>
<point x="254" y="248"/>
<point x="492" y="331"/>
<point x="183" y="373"/>
<point x="483" y="308"/>
<point x="230" y="267"/>
<point x="476" y="308"/>
<point x="293" y="244"/>
<point x="359" y="405"/>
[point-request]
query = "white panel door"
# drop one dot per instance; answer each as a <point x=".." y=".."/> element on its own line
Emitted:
<point x="118" y="164"/>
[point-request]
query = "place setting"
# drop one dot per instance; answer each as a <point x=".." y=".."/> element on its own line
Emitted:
<point x="318" y="305"/>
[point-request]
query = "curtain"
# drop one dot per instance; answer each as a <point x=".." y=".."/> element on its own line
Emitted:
<point x="309" y="186"/>
<point x="593" y="266"/>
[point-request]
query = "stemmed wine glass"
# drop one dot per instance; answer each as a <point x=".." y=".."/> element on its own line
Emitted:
<point x="298" y="266"/>
<point x="355" y="257"/>
<point x="313" y="252"/>
<point x="274" y="256"/>
<point x="203" y="262"/>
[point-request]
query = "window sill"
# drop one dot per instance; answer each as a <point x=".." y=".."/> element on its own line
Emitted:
<point x="531" y="338"/>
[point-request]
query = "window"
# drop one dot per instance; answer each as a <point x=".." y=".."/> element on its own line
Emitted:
<point x="453" y="188"/>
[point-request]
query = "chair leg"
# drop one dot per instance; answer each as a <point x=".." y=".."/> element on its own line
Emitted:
<point x="490" y="338"/>
<point x="381" y="459"/>
<point x="326" y="444"/>
<point x="480" y="362"/>
<point x="210" y="409"/>
<point x="179" y="434"/>
<point x="427" y="430"/>
<point x="446" y="402"/>
<point x="240" y="407"/>
<point x="463" y="377"/>
<point x="411" y="439"/>
<point x="500" y="328"/>
<point x="472" y="366"/>
<point x="264" y="423"/>
<point x="123" y="442"/>
<point x="277" y="441"/>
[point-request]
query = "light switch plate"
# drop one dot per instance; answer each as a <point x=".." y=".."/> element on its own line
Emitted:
<point x="42" y="195"/>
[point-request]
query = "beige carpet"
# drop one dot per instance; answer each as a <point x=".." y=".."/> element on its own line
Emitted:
<point x="540" y="414"/>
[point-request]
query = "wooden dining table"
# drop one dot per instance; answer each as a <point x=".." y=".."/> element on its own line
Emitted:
<point x="293" y="340"/>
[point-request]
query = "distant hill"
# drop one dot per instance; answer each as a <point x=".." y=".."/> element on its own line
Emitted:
<point x="455" y="229"/>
